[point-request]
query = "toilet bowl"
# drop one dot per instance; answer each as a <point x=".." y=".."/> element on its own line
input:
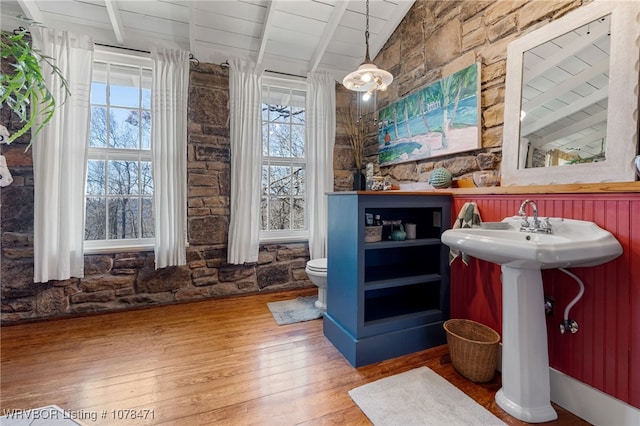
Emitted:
<point x="317" y="271"/>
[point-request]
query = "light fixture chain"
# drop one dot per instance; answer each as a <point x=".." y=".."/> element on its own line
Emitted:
<point x="367" y="15"/>
<point x="367" y="58"/>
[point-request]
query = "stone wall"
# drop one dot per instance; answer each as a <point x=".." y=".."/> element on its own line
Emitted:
<point x="129" y="280"/>
<point x="438" y="38"/>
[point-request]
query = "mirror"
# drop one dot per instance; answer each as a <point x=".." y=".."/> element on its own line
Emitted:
<point x="571" y="99"/>
<point x="563" y="104"/>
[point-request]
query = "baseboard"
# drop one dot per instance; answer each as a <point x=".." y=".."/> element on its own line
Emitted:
<point x="586" y="402"/>
<point x="589" y="403"/>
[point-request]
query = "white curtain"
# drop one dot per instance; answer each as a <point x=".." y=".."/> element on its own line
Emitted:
<point x="321" y="133"/>
<point x="60" y="158"/>
<point x="245" y="95"/>
<point x="170" y="92"/>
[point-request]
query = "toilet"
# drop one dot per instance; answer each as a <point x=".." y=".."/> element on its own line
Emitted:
<point x="317" y="271"/>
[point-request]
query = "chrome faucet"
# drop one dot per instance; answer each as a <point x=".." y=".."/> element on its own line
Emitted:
<point x="536" y="225"/>
<point x="523" y="214"/>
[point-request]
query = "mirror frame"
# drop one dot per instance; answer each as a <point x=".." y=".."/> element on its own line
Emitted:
<point x="622" y="111"/>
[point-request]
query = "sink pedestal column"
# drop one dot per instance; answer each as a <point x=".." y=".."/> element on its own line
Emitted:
<point x="525" y="392"/>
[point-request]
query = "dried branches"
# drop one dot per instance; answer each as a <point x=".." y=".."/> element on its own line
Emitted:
<point x="357" y="132"/>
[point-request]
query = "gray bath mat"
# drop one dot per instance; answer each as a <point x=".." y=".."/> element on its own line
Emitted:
<point x="296" y="310"/>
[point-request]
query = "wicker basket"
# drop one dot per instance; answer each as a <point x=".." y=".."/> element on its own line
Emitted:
<point x="473" y="348"/>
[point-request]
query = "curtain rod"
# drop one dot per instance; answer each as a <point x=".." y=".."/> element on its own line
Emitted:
<point x="122" y="47"/>
<point x="226" y="64"/>
<point x="191" y="57"/>
<point x="286" y="73"/>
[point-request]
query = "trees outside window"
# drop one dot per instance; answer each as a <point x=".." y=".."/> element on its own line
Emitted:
<point x="119" y="187"/>
<point x="283" y="199"/>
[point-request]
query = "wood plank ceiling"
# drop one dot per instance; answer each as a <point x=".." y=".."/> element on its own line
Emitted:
<point x="289" y="36"/>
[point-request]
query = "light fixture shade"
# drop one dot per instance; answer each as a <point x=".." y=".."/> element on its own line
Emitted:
<point x="367" y="78"/>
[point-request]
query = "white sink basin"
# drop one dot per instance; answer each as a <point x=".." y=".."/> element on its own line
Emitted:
<point x="573" y="243"/>
<point x="525" y="392"/>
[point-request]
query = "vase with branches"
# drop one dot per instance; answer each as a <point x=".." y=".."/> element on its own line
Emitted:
<point x="23" y="88"/>
<point x="356" y="128"/>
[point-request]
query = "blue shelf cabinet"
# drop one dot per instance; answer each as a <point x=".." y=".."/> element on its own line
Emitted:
<point x="387" y="298"/>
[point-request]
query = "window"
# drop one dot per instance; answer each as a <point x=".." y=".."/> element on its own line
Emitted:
<point x="119" y="187"/>
<point x="283" y="213"/>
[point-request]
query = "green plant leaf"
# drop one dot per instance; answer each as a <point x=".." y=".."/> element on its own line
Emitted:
<point x="24" y="90"/>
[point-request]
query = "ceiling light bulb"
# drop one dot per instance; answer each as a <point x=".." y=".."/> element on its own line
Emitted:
<point x="382" y="87"/>
<point x="366" y="96"/>
<point x="366" y="77"/>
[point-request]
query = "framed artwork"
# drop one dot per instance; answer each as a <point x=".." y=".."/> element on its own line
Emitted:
<point x="440" y="119"/>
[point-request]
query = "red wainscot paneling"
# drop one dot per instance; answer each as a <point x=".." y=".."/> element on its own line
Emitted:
<point x="606" y="350"/>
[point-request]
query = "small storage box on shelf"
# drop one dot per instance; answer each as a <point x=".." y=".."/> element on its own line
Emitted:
<point x="372" y="234"/>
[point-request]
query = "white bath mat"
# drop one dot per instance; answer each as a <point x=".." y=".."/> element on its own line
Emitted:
<point x="51" y="415"/>
<point x="419" y="397"/>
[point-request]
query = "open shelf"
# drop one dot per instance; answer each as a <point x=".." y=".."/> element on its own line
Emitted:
<point x="401" y="262"/>
<point x="387" y="280"/>
<point x="405" y="243"/>
<point x="386" y="298"/>
<point x="429" y="316"/>
<point x="428" y="220"/>
<point x="393" y="302"/>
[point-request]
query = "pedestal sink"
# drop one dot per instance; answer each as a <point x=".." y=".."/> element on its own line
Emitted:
<point x="525" y="392"/>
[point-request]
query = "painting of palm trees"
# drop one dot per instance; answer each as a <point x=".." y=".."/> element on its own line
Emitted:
<point x="441" y="119"/>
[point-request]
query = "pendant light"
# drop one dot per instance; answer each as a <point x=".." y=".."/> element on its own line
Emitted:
<point x="367" y="78"/>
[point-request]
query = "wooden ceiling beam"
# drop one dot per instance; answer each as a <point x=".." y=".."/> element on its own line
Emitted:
<point x="116" y="20"/>
<point x="566" y="86"/>
<point x="566" y="111"/>
<point x="561" y="55"/>
<point x="31" y="10"/>
<point x="266" y="28"/>
<point x="570" y="130"/>
<point x="334" y="20"/>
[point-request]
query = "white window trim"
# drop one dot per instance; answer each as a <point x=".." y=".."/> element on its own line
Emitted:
<point x="118" y="246"/>
<point x="280" y="236"/>
<point x="113" y="56"/>
<point x="296" y="235"/>
<point x="285" y="82"/>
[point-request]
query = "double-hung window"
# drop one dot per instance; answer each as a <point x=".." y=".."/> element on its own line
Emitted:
<point x="283" y="212"/>
<point x="119" y="187"/>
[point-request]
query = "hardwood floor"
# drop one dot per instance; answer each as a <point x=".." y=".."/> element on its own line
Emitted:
<point x="221" y="361"/>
